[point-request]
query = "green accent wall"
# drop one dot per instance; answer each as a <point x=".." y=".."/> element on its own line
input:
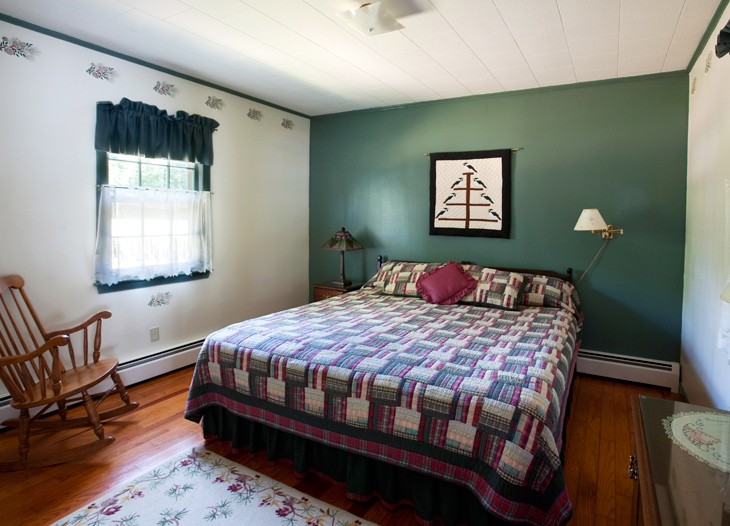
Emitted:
<point x="617" y="146"/>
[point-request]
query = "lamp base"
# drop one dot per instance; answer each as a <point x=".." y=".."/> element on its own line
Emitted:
<point x="342" y="283"/>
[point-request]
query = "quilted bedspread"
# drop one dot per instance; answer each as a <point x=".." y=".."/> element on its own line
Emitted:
<point x="471" y="394"/>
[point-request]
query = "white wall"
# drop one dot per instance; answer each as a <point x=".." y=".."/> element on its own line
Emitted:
<point x="705" y="367"/>
<point x="260" y="181"/>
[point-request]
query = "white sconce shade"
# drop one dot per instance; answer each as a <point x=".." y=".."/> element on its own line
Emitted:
<point x="371" y="19"/>
<point x="590" y="219"/>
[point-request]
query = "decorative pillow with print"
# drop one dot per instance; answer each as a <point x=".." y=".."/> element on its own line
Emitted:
<point x="548" y="291"/>
<point x="379" y="280"/>
<point x="405" y="275"/>
<point x="495" y="288"/>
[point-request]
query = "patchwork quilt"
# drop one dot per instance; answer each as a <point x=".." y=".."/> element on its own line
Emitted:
<point x="470" y="394"/>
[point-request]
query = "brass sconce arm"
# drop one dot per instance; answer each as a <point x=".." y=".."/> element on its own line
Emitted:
<point x="609" y="232"/>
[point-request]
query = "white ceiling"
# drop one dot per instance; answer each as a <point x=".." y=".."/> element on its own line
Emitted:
<point x="300" y="55"/>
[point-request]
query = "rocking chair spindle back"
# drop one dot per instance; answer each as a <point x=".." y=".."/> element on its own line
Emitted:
<point x="42" y="370"/>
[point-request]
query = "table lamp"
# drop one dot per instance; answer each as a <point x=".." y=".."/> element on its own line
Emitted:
<point x="344" y="242"/>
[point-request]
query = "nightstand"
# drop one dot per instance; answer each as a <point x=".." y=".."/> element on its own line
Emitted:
<point x="322" y="291"/>
<point x="682" y="464"/>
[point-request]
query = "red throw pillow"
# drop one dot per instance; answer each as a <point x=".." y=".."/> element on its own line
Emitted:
<point x="446" y="284"/>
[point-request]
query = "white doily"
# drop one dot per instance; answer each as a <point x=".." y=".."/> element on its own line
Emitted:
<point x="704" y="435"/>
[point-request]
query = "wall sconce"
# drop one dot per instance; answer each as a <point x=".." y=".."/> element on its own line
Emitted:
<point x="344" y="242"/>
<point x="591" y="220"/>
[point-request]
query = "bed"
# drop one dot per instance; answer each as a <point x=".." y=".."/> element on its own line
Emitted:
<point x="413" y="389"/>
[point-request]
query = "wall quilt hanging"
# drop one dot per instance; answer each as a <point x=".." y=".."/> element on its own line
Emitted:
<point x="471" y="193"/>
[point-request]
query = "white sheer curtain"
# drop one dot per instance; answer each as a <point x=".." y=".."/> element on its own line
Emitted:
<point x="144" y="233"/>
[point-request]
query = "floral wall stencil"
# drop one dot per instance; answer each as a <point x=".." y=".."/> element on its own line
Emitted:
<point x="254" y="114"/>
<point x="214" y="102"/>
<point x="100" y="71"/>
<point x="18" y="48"/>
<point x="160" y="299"/>
<point x="288" y="124"/>
<point x="164" y="88"/>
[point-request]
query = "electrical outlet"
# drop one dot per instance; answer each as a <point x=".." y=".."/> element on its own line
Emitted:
<point x="154" y="334"/>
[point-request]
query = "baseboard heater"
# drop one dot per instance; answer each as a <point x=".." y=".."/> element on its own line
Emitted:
<point x="148" y="367"/>
<point x="629" y="368"/>
<point x="135" y="371"/>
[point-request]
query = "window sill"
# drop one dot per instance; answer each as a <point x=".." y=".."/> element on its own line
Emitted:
<point x="138" y="284"/>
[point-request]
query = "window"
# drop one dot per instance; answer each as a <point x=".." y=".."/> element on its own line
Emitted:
<point x="162" y="174"/>
<point x="154" y="200"/>
<point x="154" y="221"/>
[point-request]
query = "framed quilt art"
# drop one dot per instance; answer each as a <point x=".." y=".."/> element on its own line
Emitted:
<point x="471" y="193"/>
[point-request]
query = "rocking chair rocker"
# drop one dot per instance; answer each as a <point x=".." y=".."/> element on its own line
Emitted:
<point x="42" y="370"/>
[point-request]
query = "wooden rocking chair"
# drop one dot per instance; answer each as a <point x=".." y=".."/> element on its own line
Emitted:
<point x="43" y="370"/>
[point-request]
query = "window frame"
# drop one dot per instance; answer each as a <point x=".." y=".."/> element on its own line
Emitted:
<point x="201" y="183"/>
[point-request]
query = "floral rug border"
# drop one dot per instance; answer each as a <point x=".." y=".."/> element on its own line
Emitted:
<point x="229" y="489"/>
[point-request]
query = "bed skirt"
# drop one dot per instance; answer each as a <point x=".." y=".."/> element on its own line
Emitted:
<point x="434" y="501"/>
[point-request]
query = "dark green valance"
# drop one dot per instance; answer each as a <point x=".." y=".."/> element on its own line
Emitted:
<point x="135" y="128"/>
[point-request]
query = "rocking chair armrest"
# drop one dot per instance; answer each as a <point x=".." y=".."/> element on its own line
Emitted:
<point x="16" y="372"/>
<point x="96" y="317"/>
<point x="49" y="345"/>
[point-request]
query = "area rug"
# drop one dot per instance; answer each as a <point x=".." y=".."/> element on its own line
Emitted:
<point x="202" y="487"/>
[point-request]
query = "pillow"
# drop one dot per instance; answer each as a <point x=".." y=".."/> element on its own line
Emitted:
<point x="445" y="285"/>
<point x="404" y="276"/>
<point x="379" y="280"/>
<point x="399" y="277"/>
<point x="547" y="291"/>
<point x="495" y="288"/>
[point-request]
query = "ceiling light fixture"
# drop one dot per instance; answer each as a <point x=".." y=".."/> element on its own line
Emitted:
<point x="371" y="19"/>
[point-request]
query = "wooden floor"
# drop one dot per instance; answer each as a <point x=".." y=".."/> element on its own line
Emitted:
<point x="599" y="442"/>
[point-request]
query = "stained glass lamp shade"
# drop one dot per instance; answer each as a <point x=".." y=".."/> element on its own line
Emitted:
<point x="343" y="242"/>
